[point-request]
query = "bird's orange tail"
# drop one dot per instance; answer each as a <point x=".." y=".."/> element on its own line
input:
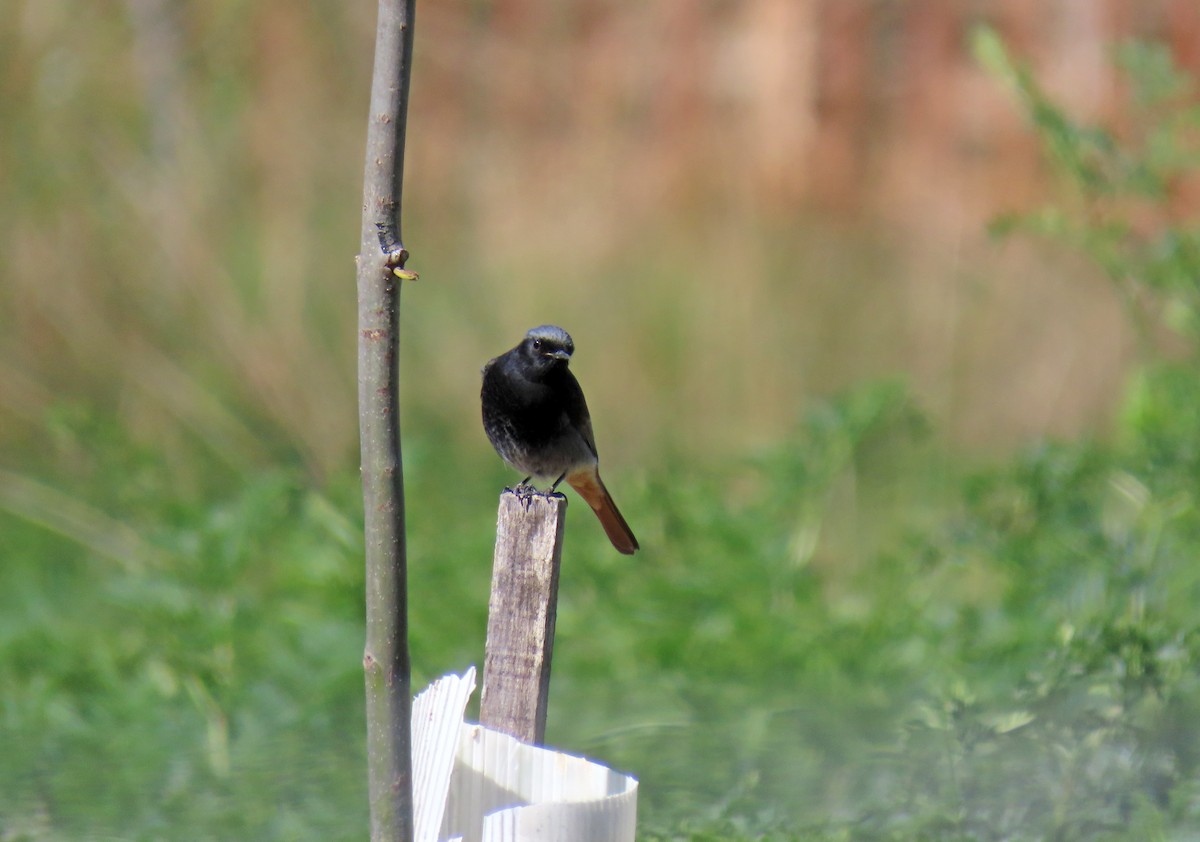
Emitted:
<point x="591" y="488"/>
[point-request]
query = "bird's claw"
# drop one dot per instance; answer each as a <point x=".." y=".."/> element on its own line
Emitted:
<point x="524" y="494"/>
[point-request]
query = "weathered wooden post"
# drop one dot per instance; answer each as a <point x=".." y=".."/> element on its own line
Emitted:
<point x="521" y="613"/>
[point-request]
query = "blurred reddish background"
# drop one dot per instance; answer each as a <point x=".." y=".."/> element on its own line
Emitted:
<point x="746" y="205"/>
<point x="850" y="107"/>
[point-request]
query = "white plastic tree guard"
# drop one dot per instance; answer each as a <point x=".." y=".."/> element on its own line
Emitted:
<point x="474" y="784"/>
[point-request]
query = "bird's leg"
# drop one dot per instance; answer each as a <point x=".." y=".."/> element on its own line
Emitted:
<point x="520" y="486"/>
<point x="554" y="487"/>
<point x="524" y="490"/>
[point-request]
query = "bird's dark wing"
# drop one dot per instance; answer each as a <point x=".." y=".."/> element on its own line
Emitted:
<point x="577" y="412"/>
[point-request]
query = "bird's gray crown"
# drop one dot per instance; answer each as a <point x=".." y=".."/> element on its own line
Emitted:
<point x="551" y="338"/>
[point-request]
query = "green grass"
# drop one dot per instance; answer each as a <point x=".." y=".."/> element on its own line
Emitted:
<point x="1005" y="655"/>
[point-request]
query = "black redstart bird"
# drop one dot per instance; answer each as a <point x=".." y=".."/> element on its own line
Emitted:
<point x="536" y="417"/>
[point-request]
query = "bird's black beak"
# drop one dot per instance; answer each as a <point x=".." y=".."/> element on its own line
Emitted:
<point x="559" y="355"/>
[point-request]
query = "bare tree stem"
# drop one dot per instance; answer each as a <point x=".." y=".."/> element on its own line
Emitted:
<point x="385" y="659"/>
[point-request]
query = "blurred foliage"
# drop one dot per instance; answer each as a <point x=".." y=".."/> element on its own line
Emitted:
<point x="844" y="635"/>
<point x="1122" y="189"/>
<point x="1025" y="668"/>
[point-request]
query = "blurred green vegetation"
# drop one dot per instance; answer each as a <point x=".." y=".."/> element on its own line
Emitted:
<point x="841" y="631"/>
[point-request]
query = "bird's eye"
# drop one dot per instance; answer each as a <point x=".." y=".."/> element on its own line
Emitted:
<point x="537" y="344"/>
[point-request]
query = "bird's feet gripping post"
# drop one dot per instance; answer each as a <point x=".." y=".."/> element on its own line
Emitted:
<point x="525" y="492"/>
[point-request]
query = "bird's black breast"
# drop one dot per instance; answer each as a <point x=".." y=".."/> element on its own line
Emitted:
<point x="529" y="421"/>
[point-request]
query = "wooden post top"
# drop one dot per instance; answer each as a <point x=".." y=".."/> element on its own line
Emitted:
<point x="521" y="613"/>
